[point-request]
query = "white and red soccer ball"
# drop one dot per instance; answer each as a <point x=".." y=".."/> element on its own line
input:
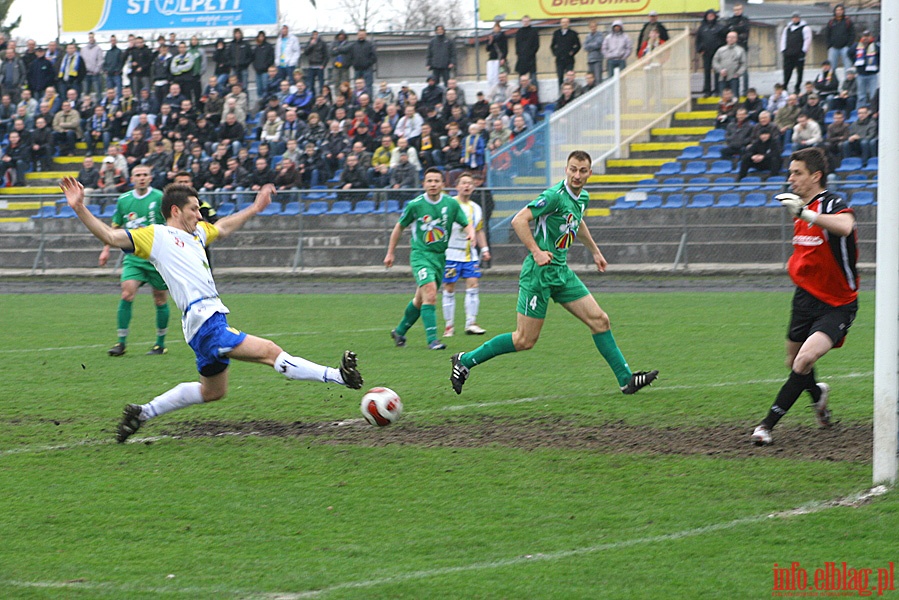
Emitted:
<point x="381" y="406"/>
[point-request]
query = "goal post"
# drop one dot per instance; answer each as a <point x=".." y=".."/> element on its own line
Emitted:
<point x="886" y="330"/>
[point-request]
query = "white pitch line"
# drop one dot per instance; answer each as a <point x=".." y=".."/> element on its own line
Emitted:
<point x="851" y="501"/>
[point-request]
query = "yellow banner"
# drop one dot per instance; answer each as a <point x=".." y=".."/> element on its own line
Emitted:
<point x="556" y="9"/>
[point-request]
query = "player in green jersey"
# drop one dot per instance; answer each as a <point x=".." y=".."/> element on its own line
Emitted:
<point x="559" y="213"/>
<point x="432" y="216"/>
<point x="140" y="207"/>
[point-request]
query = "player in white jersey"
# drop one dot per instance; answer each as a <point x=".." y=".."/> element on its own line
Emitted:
<point x="177" y="250"/>
<point x="462" y="261"/>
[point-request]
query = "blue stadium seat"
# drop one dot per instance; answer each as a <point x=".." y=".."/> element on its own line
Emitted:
<point x="94" y="209"/>
<point x="690" y="153"/>
<point x="673" y="181"/>
<point x="336" y="177"/>
<point x="674" y="201"/>
<point x="317" y="208"/>
<point x="828" y="117"/>
<point x="853" y="117"/>
<point x="277" y="160"/>
<point x="696" y="167"/>
<point x="862" y="199"/>
<point x="697" y="184"/>
<point x="728" y="200"/>
<point x="652" y="201"/>
<point x="622" y="203"/>
<point x="719" y="167"/>
<point x="670" y="168"/>
<point x="108" y="210"/>
<point x="272" y="210"/>
<point x="244" y="205"/>
<point x="787" y="151"/>
<point x="755" y="199"/>
<point x="65" y="212"/>
<point x="715" y="135"/>
<point x="713" y="152"/>
<point x="646" y="185"/>
<point x="224" y="209"/>
<point x="850" y="163"/>
<point x="254" y="147"/>
<point x="702" y="201"/>
<point x="363" y="207"/>
<point x="854" y="181"/>
<point x="723" y="184"/>
<point x="45" y="212"/>
<point x="392" y="206"/>
<point x="341" y="207"/>
<point x="292" y="209"/>
<point x="751" y="179"/>
<point x="872" y="165"/>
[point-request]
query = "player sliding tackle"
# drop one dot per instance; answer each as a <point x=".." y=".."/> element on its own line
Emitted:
<point x="177" y="250"/>
<point x="545" y="274"/>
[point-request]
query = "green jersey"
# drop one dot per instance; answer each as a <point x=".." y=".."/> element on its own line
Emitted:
<point x="432" y="222"/>
<point x="558" y="216"/>
<point x="133" y="212"/>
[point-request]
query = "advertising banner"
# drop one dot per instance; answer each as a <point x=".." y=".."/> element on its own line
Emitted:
<point x="79" y="16"/>
<point x="556" y="9"/>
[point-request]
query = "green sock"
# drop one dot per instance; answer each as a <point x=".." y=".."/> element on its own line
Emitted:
<point x="501" y="344"/>
<point x="429" y="319"/>
<point x="162" y="323"/>
<point x="605" y="343"/>
<point x="124" y="319"/>
<point x="409" y="318"/>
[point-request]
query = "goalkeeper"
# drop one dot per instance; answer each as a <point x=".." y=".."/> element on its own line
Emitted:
<point x="823" y="267"/>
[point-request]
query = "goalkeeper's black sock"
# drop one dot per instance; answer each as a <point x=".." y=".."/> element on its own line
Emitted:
<point x="787" y="396"/>
<point x="813" y="389"/>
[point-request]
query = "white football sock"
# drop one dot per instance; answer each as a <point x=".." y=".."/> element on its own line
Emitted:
<point x="183" y="394"/>
<point x="294" y="367"/>
<point x="449" y="307"/>
<point x="472" y="302"/>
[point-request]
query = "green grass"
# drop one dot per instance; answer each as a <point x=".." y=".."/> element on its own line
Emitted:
<point x="266" y="517"/>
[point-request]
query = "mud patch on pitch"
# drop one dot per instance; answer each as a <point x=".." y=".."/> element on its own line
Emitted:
<point x="841" y="443"/>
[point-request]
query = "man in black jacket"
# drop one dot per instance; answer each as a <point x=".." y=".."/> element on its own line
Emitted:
<point x="738" y="136"/>
<point x="240" y="57"/>
<point x="441" y="55"/>
<point x="363" y="59"/>
<point x="316" y="52"/>
<point x="565" y="44"/>
<point x="709" y="37"/>
<point x="140" y="58"/>
<point x="762" y="154"/>
<point x="527" y="43"/>
<point x="263" y="58"/>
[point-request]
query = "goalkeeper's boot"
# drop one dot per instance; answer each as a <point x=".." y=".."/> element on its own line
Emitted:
<point x="399" y="340"/>
<point x="117" y="350"/>
<point x="157" y="350"/>
<point x="459" y="373"/>
<point x="129" y="424"/>
<point x="761" y="436"/>
<point x="351" y="376"/>
<point x="639" y="380"/>
<point x="822" y="413"/>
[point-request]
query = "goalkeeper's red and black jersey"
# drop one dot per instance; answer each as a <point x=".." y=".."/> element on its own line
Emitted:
<point x="824" y="264"/>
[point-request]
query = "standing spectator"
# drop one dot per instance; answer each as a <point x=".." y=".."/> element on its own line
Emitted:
<point x="288" y="51"/>
<point x="363" y="58"/>
<point x="193" y="90"/>
<point x="826" y="83"/>
<point x="182" y="69"/>
<point x="13" y="75"/>
<point x="140" y="59"/>
<point x="729" y="63"/>
<point x="593" y="46"/>
<point x="652" y="23"/>
<point x="739" y="23"/>
<point x="652" y="42"/>
<point x="71" y="71"/>
<point x="867" y="65"/>
<point x="795" y="41"/>
<point x="616" y="48"/>
<point x="441" y="57"/>
<point x="41" y="73"/>
<point x="160" y="73"/>
<point x="240" y="57"/>
<point x="565" y="45"/>
<point x="709" y="37"/>
<point x="839" y="33"/>
<point x="92" y="55"/>
<point x="497" y="52"/>
<point x="341" y="54"/>
<point x="862" y="140"/>
<point x="222" y="63"/>
<point x="66" y="129"/>
<point x="112" y="65"/>
<point x="263" y="58"/>
<point x="52" y="51"/>
<point x="30" y="53"/>
<point x="316" y="52"/>
<point x="527" y="43"/>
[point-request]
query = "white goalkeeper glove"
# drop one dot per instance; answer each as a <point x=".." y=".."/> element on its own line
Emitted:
<point x="796" y="207"/>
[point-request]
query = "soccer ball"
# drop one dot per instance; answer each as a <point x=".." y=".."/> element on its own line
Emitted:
<point x="381" y="406"/>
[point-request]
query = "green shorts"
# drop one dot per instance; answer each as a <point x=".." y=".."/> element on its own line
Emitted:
<point x="143" y="271"/>
<point x="427" y="267"/>
<point x="538" y="284"/>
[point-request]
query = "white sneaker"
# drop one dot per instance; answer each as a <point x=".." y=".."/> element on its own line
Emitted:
<point x="761" y="436"/>
<point x="822" y="414"/>
<point x="475" y="329"/>
<point x="450" y="331"/>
